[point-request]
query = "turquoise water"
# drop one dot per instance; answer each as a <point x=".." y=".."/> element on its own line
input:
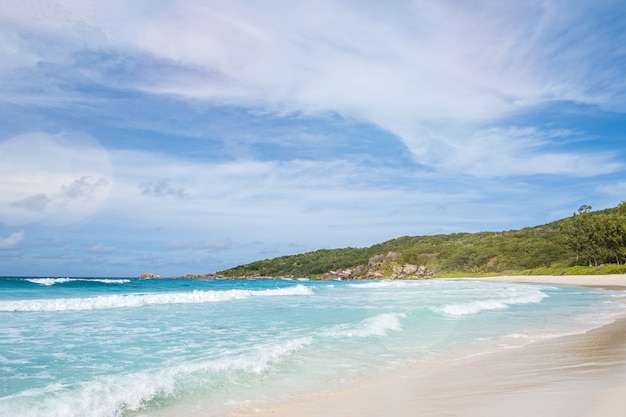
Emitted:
<point x="129" y="347"/>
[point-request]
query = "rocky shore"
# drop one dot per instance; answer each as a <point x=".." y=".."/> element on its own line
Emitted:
<point x="149" y="275"/>
<point x="381" y="266"/>
<point x="378" y="267"/>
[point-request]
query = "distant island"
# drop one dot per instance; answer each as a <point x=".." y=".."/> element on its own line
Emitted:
<point x="587" y="243"/>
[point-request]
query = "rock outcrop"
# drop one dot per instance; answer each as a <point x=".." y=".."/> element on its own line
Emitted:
<point x="202" y="276"/>
<point x="381" y="266"/>
<point x="149" y="275"/>
<point x="392" y="257"/>
<point x="375" y="260"/>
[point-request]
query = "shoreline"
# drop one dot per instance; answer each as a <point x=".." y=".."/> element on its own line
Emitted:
<point x="608" y="282"/>
<point x="580" y="375"/>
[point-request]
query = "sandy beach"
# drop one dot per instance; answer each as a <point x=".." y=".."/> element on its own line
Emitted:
<point x="580" y="375"/>
<point x="595" y="281"/>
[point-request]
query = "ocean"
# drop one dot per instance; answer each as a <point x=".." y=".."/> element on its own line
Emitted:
<point x="104" y="347"/>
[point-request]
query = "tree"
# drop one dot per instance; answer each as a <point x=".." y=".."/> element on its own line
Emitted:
<point x="582" y="236"/>
<point x="612" y="232"/>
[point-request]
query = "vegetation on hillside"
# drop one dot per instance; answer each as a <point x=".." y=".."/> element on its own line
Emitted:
<point x="585" y="239"/>
<point x="596" y="238"/>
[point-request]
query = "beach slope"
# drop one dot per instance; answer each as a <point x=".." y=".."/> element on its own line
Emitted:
<point x="580" y="375"/>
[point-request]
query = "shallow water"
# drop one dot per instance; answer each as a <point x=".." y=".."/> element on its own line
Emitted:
<point x="128" y="347"/>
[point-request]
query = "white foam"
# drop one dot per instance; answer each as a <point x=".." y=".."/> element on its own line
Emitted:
<point x="386" y="284"/>
<point x="139" y="300"/>
<point x="51" y="281"/>
<point x="476" y="306"/>
<point x="48" y="281"/>
<point x="378" y="325"/>
<point x="115" y="395"/>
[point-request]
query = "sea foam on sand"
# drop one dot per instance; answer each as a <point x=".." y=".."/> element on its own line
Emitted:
<point x="581" y="375"/>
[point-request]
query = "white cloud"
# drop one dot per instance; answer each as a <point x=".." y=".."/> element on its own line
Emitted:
<point x="446" y="77"/>
<point x="101" y="248"/>
<point x="339" y="201"/>
<point x="416" y="63"/>
<point x="55" y="179"/>
<point x="502" y="152"/>
<point x="407" y="65"/>
<point x="433" y="73"/>
<point x="616" y="190"/>
<point x="272" y="201"/>
<point x="12" y="241"/>
<point x="199" y="245"/>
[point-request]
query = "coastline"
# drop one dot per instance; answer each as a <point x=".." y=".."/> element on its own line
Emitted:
<point x="608" y="282"/>
<point x="581" y="375"/>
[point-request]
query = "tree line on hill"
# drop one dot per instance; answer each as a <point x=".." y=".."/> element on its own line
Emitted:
<point x="596" y="237"/>
<point x="585" y="238"/>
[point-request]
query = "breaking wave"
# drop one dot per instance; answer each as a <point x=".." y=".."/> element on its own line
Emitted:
<point x="387" y="284"/>
<point x="116" y="395"/>
<point x="374" y="326"/>
<point x="51" y="281"/>
<point x="476" y="306"/>
<point x="140" y="300"/>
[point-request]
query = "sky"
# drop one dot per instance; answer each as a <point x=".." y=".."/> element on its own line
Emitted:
<point x="193" y="136"/>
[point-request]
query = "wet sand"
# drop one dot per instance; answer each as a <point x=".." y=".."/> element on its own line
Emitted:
<point x="580" y="375"/>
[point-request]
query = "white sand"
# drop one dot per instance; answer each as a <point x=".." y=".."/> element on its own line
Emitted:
<point x="618" y="280"/>
<point x="574" y="376"/>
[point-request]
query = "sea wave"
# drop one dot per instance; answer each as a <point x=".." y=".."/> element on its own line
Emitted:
<point x="140" y="300"/>
<point x="477" y="306"/>
<point x="116" y="395"/>
<point x="373" y="326"/>
<point x="51" y="281"/>
<point x="384" y="284"/>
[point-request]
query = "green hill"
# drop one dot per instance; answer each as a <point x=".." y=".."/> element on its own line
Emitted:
<point x="549" y="248"/>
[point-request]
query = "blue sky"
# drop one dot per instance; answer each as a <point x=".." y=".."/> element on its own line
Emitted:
<point x="193" y="136"/>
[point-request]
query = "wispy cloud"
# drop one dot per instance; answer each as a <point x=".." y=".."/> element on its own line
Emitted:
<point x="500" y="152"/>
<point x="12" y="241"/>
<point x="55" y="178"/>
<point x="410" y="69"/>
<point x="101" y="248"/>
<point x="616" y="189"/>
<point x="318" y="123"/>
<point x="351" y="201"/>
